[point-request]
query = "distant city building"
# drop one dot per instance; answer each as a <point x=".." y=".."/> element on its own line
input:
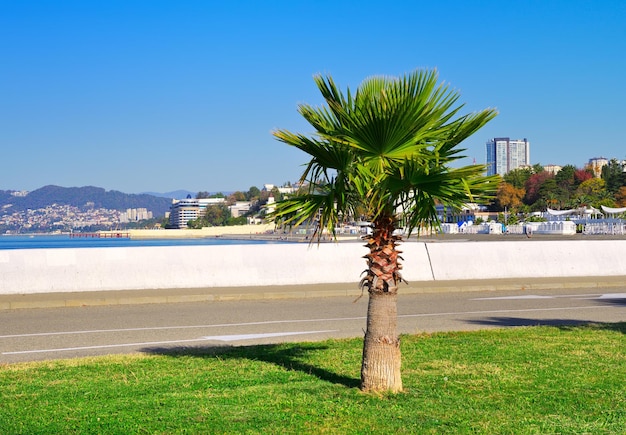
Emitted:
<point x="505" y="154"/>
<point x="596" y="164"/>
<point x="185" y="210"/>
<point x="239" y="208"/>
<point x="135" y="215"/>
<point x="283" y="189"/>
<point x="552" y="169"/>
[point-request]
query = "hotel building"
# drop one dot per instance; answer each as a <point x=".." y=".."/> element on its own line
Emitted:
<point x="185" y="210"/>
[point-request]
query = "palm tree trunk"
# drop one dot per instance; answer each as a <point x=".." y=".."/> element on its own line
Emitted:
<point x="380" y="369"/>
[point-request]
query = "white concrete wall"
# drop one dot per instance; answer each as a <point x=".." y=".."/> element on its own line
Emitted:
<point x="527" y="259"/>
<point x="91" y="269"/>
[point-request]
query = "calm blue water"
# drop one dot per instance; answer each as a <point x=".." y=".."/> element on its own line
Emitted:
<point x="64" y="241"/>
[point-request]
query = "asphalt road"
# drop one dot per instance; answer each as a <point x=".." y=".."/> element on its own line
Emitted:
<point x="59" y="333"/>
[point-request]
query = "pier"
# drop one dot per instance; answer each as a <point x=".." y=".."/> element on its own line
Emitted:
<point x="104" y="235"/>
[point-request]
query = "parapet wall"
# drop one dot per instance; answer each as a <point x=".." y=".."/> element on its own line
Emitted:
<point x="527" y="259"/>
<point x="95" y="269"/>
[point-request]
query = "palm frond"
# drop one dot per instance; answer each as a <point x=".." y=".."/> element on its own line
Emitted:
<point x="388" y="146"/>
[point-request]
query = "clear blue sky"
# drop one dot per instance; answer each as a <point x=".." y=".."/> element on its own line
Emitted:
<point x="163" y="95"/>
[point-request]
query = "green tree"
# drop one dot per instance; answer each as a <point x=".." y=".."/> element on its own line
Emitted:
<point x="613" y="175"/>
<point x="241" y="220"/>
<point x="253" y="193"/>
<point x="165" y="222"/>
<point x="518" y="177"/>
<point x="195" y="224"/>
<point x="565" y="177"/>
<point x="236" y="196"/>
<point x="386" y="148"/>
<point x="620" y="197"/>
<point x="215" y="215"/>
<point x="593" y="193"/>
<point x="566" y="184"/>
<point x="592" y="187"/>
<point x="548" y="192"/>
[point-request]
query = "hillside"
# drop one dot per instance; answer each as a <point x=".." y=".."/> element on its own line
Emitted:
<point x="88" y="196"/>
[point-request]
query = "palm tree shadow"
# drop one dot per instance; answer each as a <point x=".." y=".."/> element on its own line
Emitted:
<point x="289" y="357"/>
<point x="564" y="324"/>
<point x="619" y="302"/>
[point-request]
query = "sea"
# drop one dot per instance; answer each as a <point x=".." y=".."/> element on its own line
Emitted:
<point x="51" y="241"/>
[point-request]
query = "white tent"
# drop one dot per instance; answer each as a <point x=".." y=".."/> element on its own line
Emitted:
<point x="564" y="212"/>
<point x="613" y="210"/>
<point x="582" y="211"/>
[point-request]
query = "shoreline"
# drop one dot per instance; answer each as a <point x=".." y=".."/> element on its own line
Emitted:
<point x="269" y="234"/>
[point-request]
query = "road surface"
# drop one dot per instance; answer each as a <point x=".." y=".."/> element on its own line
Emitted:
<point x="58" y="333"/>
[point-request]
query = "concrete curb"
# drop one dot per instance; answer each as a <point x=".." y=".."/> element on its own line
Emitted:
<point x="221" y="294"/>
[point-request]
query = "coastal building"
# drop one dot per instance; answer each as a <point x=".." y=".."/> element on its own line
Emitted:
<point x="285" y="189"/>
<point x="189" y="209"/>
<point x="469" y="212"/>
<point x="552" y="169"/>
<point x="596" y="164"/>
<point x="505" y="154"/>
<point x="239" y="208"/>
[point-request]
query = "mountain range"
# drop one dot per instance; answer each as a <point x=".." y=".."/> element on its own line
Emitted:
<point x="89" y="196"/>
<point x="176" y="194"/>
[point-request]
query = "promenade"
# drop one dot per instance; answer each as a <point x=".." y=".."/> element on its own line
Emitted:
<point x="218" y="294"/>
<point x="265" y="233"/>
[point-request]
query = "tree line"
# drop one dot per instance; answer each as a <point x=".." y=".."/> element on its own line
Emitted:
<point x="530" y="189"/>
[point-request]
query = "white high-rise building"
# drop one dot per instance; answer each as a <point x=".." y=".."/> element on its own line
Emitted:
<point x="505" y="154"/>
<point x="185" y="210"/>
<point x="135" y="215"/>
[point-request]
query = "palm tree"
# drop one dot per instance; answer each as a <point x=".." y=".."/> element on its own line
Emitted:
<point x="385" y="152"/>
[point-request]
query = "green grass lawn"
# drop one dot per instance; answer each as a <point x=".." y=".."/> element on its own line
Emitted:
<point x="531" y="380"/>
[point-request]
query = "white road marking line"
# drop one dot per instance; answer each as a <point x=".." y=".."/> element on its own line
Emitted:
<point x="580" y="297"/>
<point x="613" y="296"/>
<point x="266" y="335"/>
<point x="504" y="311"/>
<point x="225" y="338"/>
<point x="104" y="346"/>
<point x="164" y="328"/>
<point x="504" y="298"/>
